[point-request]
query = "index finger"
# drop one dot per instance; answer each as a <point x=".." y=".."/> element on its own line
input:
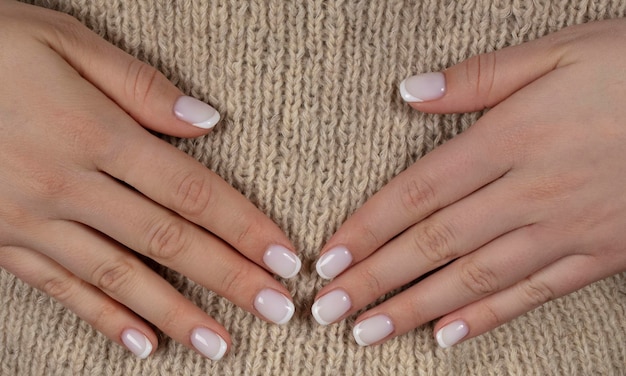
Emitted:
<point x="178" y="182"/>
<point x="454" y="170"/>
<point x="444" y="176"/>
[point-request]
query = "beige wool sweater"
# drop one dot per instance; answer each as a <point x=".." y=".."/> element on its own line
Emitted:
<point x="313" y="125"/>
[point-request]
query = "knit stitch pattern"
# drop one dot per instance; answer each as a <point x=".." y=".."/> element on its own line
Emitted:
<point x="312" y="126"/>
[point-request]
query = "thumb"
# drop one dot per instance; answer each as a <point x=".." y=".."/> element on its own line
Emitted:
<point x="140" y="89"/>
<point x="481" y="81"/>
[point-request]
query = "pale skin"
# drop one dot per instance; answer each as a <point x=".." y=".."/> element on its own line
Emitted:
<point x="524" y="207"/>
<point x="74" y="114"/>
<point x="528" y="202"/>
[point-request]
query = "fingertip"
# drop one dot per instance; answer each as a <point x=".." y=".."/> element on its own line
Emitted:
<point x="452" y="333"/>
<point x="373" y="330"/>
<point x="209" y="343"/>
<point x="331" y="306"/>
<point x="423" y="87"/>
<point x="196" y="113"/>
<point x="282" y="261"/>
<point x="274" y="306"/>
<point x="333" y="262"/>
<point x="137" y="342"/>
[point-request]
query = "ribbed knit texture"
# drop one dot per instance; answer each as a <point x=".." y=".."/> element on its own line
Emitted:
<point x="313" y="125"/>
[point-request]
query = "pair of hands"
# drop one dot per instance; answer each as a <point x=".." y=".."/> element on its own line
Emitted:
<point x="525" y="206"/>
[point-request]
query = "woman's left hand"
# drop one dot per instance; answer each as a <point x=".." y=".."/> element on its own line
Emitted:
<point x="525" y="206"/>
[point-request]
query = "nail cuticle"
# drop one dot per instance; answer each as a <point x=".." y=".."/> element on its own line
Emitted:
<point x="208" y="343"/>
<point x="452" y="333"/>
<point x="196" y="112"/>
<point x="423" y="87"/>
<point x="282" y="261"/>
<point x="331" y="307"/>
<point x="137" y="343"/>
<point x="333" y="262"/>
<point x="373" y="329"/>
<point x="274" y="306"/>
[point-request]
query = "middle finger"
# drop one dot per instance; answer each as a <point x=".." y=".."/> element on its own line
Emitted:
<point x="450" y="233"/>
<point x="146" y="227"/>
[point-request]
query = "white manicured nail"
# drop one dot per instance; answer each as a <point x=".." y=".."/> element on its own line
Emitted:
<point x="274" y="306"/>
<point x="282" y="261"/>
<point x="195" y="112"/>
<point x="137" y="343"/>
<point x="372" y="330"/>
<point x="423" y="87"/>
<point x="208" y="343"/>
<point x="452" y="333"/>
<point x="333" y="262"/>
<point x="331" y="307"/>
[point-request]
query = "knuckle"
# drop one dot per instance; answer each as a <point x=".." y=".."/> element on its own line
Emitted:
<point x="248" y="231"/>
<point x="490" y="316"/>
<point x="60" y="288"/>
<point x="433" y="242"/>
<point x="66" y="25"/>
<point x="65" y="21"/>
<point x="480" y="73"/>
<point x="193" y="194"/>
<point x="85" y="132"/>
<point x="545" y="190"/>
<point x="477" y="279"/>
<point x="372" y="283"/>
<point x="170" y="321"/>
<point x="141" y="79"/>
<point x="167" y="240"/>
<point x="103" y="315"/>
<point x="418" y="197"/>
<point x="15" y="220"/>
<point x="243" y="232"/>
<point x="233" y="281"/>
<point x="535" y="293"/>
<point x="371" y="236"/>
<point x="114" y="276"/>
<point x="415" y="305"/>
<point x="51" y="184"/>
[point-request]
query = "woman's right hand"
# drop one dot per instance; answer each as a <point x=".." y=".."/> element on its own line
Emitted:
<point x="83" y="186"/>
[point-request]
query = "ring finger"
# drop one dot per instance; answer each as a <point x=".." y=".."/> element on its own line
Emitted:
<point x="117" y="273"/>
<point x="492" y="268"/>
<point x="176" y="243"/>
<point x="90" y="304"/>
<point x="444" y="236"/>
<point x="549" y="283"/>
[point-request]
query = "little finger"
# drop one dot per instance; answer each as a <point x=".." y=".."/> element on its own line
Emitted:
<point x="490" y="269"/>
<point x="104" y="314"/>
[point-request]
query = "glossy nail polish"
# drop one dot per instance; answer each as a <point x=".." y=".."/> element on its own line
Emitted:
<point x="208" y="343"/>
<point x="195" y="112"/>
<point x="333" y="262"/>
<point x="282" y="261"/>
<point x="137" y="343"/>
<point x="452" y="333"/>
<point x="423" y="87"/>
<point x="331" y="307"/>
<point x="274" y="306"/>
<point x="372" y="330"/>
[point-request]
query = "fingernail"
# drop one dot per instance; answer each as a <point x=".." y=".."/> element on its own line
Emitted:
<point x="331" y="307"/>
<point x="372" y="330"/>
<point x="195" y="112"/>
<point x="452" y="333"/>
<point x="423" y="87"/>
<point x="274" y="306"/>
<point x="208" y="343"/>
<point x="282" y="261"/>
<point x="333" y="262"/>
<point x="137" y="343"/>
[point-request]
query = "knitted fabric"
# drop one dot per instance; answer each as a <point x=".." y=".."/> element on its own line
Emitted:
<point x="313" y="126"/>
